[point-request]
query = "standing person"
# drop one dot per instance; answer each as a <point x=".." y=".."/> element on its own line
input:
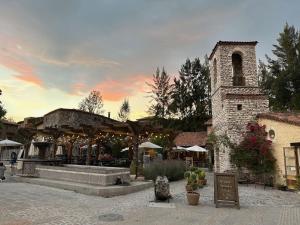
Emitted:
<point x="13" y="160"/>
<point x="2" y="169"/>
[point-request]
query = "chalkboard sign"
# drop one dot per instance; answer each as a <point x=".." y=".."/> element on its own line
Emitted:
<point x="226" y="189"/>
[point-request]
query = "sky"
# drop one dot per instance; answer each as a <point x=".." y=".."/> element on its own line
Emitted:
<point x="54" y="52"/>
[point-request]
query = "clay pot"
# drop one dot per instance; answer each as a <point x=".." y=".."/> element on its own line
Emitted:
<point x="193" y="198"/>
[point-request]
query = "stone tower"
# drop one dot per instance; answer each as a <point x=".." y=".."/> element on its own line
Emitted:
<point x="236" y="97"/>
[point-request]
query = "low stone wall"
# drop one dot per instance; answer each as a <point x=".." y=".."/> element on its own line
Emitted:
<point x="84" y="174"/>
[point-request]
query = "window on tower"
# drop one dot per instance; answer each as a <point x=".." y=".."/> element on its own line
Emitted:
<point x="237" y="70"/>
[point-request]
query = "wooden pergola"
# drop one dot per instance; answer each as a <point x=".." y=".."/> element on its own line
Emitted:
<point x="136" y="130"/>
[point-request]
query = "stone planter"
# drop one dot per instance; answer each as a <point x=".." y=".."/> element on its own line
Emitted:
<point x="193" y="198"/>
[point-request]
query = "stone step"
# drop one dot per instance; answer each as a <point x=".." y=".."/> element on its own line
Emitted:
<point x="104" y="191"/>
<point x="68" y="174"/>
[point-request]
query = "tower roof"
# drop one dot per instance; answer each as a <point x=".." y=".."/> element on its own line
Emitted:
<point x="230" y="43"/>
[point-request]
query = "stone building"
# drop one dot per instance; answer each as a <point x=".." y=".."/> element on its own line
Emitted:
<point x="236" y="97"/>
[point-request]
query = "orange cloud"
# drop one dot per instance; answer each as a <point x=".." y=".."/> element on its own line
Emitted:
<point x="116" y="90"/>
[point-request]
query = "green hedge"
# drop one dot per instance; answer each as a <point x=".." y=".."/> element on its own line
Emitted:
<point x="172" y="169"/>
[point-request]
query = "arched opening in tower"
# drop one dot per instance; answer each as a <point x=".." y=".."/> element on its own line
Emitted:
<point x="237" y="70"/>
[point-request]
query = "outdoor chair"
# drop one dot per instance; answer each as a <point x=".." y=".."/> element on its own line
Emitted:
<point x="264" y="179"/>
<point x="244" y="178"/>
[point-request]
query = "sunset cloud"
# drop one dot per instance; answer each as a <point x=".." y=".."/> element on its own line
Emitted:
<point x="116" y="90"/>
<point x="23" y="71"/>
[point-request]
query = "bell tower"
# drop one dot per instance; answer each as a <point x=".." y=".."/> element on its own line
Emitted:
<point x="235" y="95"/>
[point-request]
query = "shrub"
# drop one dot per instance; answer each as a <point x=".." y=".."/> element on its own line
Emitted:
<point x="172" y="169"/>
<point x="255" y="151"/>
<point x="132" y="168"/>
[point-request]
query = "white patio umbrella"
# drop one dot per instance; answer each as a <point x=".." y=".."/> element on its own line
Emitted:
<point x="86" y="146"/>
<point x="125" y="149"/>
<point x="33" y="150"/>
<point x="148" y="144"/>
<point x="9" y="143"/>
<point x="196" y="148"/>
<point x="179" y="149"/>
<point x="59" y="150"/>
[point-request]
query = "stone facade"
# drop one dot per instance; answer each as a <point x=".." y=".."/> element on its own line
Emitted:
<point x="234" y="104"/>
<point x="73" y="118"/>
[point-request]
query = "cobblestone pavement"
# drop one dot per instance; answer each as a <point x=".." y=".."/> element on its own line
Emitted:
<point x="25" y="204"/>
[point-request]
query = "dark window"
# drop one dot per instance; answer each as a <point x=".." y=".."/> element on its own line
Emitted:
<point x="237" y="70"/>
<point x="215" y="71"/>
<point x="239" y="107"/>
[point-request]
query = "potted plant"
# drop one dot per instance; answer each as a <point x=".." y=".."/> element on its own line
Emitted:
<point x="191" y="186"/>
<point x="201" y="177"/>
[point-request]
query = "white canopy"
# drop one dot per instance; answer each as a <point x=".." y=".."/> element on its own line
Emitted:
<point x="196" y="148"/>
<point x="9" y="143"/>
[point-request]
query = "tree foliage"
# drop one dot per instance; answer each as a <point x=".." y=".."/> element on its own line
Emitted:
<point x="255" y="151"/>
<point x="2" y="110"/>
<point x="191" y="94"/>
<point x="184" y="104"/>
<point x="92" y="103"/>
<point x="280" y="77"/>
<point x="124" y="111"/>
<point x="160" y="94"/>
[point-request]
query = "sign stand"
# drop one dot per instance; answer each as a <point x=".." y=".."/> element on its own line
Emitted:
<point x="226" y="190"/>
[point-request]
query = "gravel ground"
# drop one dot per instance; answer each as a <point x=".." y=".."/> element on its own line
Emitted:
<point x="22" y="203"/>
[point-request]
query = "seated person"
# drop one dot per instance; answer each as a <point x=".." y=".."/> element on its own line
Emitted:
<point x="2" y="169"/>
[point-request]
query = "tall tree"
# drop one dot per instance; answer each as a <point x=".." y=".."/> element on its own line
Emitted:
<point x="160" y="94"/>
<point x="191" y="93"/>
<point x="92" y="103"/>
<point x="124" y="111"/>
<point x="2" y="110"/>
<point x="280" y="78"/>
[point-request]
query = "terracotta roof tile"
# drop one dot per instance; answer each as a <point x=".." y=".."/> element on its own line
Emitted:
<point x="286" y="117"/>
<point x="191" y="139"/>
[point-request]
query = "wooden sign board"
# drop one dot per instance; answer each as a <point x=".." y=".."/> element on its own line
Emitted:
<point x="226" y="189"/>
